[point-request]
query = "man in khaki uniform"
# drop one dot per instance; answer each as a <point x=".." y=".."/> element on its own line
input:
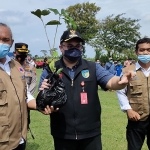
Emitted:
<point x="20" y="52"/>
<point x="135" y="98"/>
<point x="14" y="97"/>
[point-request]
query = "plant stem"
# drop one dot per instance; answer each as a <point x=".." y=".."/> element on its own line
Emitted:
<point x="46" y="35"/>
<point x="55" y="34"/>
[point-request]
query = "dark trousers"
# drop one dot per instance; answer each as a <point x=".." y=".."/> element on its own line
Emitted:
<point x="21" y="147"/>
<point x="93" y="143"/>
<point x="28" y="121"/>
<point x="136" y="133"/>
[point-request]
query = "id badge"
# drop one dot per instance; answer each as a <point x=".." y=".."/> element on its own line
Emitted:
<point x="84" y="99"/>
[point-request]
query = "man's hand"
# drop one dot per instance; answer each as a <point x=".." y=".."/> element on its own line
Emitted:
<point x="44" y="85"/>
<point x="48" y="110"/>
<point x="132" y="115"/>
<point x="127" y="77"/>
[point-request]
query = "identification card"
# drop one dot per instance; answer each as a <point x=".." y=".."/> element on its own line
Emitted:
<point x="84" y="99"/>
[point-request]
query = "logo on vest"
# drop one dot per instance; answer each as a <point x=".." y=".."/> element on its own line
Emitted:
<point x="85" y="73"/>
<point x="21" y="69"/>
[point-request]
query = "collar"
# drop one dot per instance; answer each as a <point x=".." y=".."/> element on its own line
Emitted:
<point x="8" y="59"/>
<point x="75" y="66"/>
<point x="138" y="66"/>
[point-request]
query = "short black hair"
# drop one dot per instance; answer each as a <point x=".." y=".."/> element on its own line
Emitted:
<point x="141" y="41"/>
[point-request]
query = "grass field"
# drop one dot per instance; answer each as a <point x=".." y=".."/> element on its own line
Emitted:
<point x="113" y="126"/>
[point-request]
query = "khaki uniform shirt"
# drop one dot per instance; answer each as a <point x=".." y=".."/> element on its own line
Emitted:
<point x="30" y="76"/>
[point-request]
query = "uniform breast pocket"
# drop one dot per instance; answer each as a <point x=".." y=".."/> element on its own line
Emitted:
<point x="4" y="125"/>
<point x="24" y="86"/>
<point x="88" y="83"/>
<point x="137" y="105"/>
<point x="136" y="89"/>
<point x="3" y="102"/>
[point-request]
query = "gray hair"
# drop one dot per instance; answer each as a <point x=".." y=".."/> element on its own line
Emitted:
<point x="5" y="25"/>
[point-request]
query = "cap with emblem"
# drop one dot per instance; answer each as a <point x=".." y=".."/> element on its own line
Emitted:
<point x="21" y="47"/>
<point x="70" y="34"/>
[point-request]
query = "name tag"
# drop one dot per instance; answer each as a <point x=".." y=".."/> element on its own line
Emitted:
<point x="84" y="99"/>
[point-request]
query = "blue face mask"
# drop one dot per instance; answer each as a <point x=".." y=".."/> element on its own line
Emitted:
<point x="111" y="61"/>
<point x="72" y="54"/>
<point x="4" y="49"/>
<point x="144" y="58"/>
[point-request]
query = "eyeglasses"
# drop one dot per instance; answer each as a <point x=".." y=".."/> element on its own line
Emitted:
<point x="79" y="46"/>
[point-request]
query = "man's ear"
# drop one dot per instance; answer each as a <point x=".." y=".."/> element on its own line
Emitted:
<point x="12" y="42"/>
<point x="61" y="48"/>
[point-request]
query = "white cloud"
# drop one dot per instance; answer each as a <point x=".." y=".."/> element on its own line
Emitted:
<point x="28" y="28"/>
<point x="13" y="19"/>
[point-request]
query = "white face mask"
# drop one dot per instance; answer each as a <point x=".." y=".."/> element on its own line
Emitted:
<point x="4" y="49"/>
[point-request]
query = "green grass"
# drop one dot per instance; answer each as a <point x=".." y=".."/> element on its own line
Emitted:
<point x="113" y="126"/>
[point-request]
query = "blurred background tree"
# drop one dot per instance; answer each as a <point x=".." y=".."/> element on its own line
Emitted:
<point x="85" y="17"/>
<point x="117" y="35"/>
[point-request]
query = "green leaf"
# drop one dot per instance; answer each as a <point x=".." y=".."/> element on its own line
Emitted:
<point x="55" y="11"/>
<point x="45" y="12"/>
<point x="59" y="70"/>
<point x="52" y="66"/>
<point x="63" y="12"/>
<point x="72" y="23"/>
<point x="53" y="22"/>
<point x="37" y="13"/>
<point x="54" y="54"/>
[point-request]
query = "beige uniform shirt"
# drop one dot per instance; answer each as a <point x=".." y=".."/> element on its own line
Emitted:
<point x="30" y="76"/>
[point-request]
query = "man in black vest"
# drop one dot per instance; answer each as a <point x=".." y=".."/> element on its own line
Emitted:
<point x="77" y="125"/>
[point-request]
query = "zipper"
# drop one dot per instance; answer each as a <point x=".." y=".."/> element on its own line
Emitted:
<point x="76" y="136"/>
<point x="18" y="101"/>
<point x="71" y="82"/>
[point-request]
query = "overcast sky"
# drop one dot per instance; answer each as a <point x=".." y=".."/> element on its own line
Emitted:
<point x="28" y="28"/>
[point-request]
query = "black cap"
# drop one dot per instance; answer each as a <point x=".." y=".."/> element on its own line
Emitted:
<point x="21" y="47"/>
<point x="70" y="34"/>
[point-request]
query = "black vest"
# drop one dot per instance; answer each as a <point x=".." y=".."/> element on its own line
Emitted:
<point x="76" y="120"/>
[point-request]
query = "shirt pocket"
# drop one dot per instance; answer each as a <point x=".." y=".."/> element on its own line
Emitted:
<point x="3" y="100"/>
<point x="24" y="85"/>
<point x="4" y="129"/>
<point x="28" y="77"/>
<point x="4" y="135"/>
<point x="137" y="105"/>
<point x="136" y="88"/>
<point x="136" y="99"/>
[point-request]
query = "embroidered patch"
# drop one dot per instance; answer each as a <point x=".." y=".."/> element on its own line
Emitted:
<point x="27" y="68"/>
<point x="85" y="73"/>
<point x="28" y="74"/>
<point x="21" y="69"/>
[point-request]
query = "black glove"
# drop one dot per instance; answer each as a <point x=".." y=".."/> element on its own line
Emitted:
<point x="53" y="96"/>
